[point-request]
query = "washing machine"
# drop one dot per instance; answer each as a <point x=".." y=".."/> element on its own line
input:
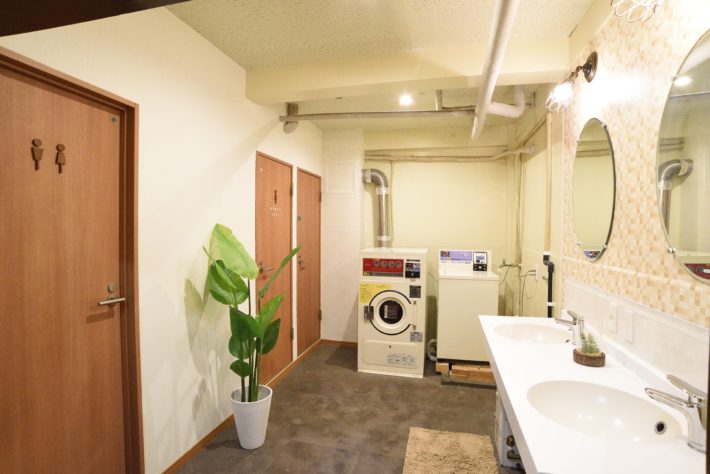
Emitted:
<point x="467" y="288"/>
<point x="392" y="311"/>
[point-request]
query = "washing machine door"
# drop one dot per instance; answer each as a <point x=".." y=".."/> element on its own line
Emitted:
<point x="391" y="312"/>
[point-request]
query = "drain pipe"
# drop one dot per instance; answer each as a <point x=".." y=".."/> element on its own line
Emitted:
<point x="502" y="26"/>
<point x="548" y="215"/>
<point x="666" y="172"/>
<point x="378" y="178"/>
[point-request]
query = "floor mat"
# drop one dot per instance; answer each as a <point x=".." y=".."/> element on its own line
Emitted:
<point x="447" y="452"/>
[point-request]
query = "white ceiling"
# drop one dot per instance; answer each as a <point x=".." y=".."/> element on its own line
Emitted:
<point x="265" y="33"/>
<point x="276" y="34"/>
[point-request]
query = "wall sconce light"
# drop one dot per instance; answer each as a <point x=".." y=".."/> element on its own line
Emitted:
<point x="561" y="95"/>
<point x="635" y="10"/>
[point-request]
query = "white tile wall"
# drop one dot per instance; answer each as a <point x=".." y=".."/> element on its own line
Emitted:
<point x="342" y="159"/>
<point x="648" y="341"/>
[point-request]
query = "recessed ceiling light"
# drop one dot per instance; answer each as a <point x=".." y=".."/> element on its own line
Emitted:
<point x="682" y="81"/>
<point x="405" y="99"/>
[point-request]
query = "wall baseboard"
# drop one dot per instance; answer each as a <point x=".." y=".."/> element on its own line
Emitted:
<point x="182" y="460"/>
<point x="330" y="342"/>
<point x="192" y="452"/>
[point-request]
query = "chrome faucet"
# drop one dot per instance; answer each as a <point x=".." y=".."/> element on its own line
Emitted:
<point x="577" y="325"/>
<point x="694" y="409"/>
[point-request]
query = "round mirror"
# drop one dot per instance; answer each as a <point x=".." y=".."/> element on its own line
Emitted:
<point x="593" y="189"/>
<point x="683" y="163"/>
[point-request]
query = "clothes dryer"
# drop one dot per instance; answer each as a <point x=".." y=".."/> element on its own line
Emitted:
<point x="392" y="311"/>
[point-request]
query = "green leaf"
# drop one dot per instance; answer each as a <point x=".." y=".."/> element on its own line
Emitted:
<point x="240" y="368"/>
<point x="238" y="348"/>
<point x="271" y="336"/>
<point x="220" y="285"/>
<point x="241" y="324"/>
<point x="284" y="262"/>
<point x="240" y="291"/>
<point x="232" y="252"/>
<point x="266" y="313"/>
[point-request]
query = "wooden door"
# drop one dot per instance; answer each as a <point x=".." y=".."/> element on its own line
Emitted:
<point x="308" y="260"/>
<point x="64" y="402"/>
<point x="273" y="243"/>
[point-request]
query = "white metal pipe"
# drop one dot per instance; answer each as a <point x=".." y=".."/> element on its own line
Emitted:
<point x="530" y="150"/>
<point x="458" y="112"/>
<point x="502" y="26"/>
<point x="507" y="110"/>
<point x="548" y="183"/>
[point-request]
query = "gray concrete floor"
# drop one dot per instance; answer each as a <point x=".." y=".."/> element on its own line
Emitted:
<point x="328" y="418"/>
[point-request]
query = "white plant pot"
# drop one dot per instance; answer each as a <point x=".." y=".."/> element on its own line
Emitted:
<point x="252" y="417"/>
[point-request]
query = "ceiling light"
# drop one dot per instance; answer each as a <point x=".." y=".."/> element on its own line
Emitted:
<point x="635" y="10"/>
<point x="682" y="81"/>
<point x="561" y="95"/>
<point x="405" y="99"/>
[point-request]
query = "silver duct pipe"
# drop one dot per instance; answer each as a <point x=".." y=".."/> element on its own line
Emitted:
<point x="378" y="178"/>
<point x="666" y="172"/>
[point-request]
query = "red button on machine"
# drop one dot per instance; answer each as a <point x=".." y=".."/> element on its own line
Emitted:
<point x="382" y="266"/>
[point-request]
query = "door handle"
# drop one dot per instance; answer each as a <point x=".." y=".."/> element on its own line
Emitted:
<point x="111" y="300"/>
<point x="262" y="269"/>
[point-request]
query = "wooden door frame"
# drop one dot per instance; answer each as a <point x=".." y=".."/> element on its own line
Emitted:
<point x="128" y="238"/>
<point x="320" y="253"/>
<point x="290" y="228"/>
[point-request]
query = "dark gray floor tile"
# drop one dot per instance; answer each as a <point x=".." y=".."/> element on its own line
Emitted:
<point x="327" y="417"/>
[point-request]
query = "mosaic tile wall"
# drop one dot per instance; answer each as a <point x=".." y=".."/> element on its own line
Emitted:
<point x="637" y="62"/>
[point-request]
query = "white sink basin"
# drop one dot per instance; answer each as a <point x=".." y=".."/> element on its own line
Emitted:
<point x="603" y="411"/>
<point x="526" y="332"/>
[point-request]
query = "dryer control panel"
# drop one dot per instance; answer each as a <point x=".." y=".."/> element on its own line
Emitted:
<point x="391" y="267"/>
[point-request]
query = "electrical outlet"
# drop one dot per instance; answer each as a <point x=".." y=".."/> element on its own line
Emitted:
<point x="538" y="271"/>
<point x="611" y="323"/>
<point x="627" y="325"/>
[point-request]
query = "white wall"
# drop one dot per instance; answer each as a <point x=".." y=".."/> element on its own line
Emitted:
<point x="537" y="120"/>
<point x="341" y="233"/>
<point x="440" y="205"/>
<point x="197" y="140"/>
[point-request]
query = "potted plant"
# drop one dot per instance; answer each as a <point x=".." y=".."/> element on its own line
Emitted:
<point x="229" y="280"/>
<point x="588" y="353"/>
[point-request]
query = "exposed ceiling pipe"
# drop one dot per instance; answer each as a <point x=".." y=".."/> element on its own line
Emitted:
<point x="502" y="26"/>
<point x="381" y="156"/>
<point x="507" y="110"/>
<point x="379" y="179"/>
<point x="458" y="112"/>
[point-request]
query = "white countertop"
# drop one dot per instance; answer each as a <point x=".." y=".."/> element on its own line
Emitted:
<point x="548" y="447"/>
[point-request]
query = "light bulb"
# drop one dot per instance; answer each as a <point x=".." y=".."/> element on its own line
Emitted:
<point x="560" y="97"/>
<point x="635" y="10"/>
<point x="682" y="81"/>
<point x="405" y="99"/>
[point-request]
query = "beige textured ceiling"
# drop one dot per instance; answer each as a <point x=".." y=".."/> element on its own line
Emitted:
<point x="273" y="35"/>
<point x="265" y="33"/>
